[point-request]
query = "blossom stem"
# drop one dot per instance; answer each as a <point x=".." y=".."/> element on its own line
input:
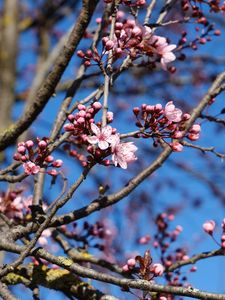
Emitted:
<point x="108" y="70"/>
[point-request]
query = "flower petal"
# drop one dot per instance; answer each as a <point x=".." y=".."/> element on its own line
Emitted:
<point x="95" y="129"/>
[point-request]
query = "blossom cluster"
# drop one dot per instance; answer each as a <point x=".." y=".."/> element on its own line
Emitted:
<point x="209" y="227"/>
<point x="100" y="141"/>
<point x="155" y="269"/>
<point x="122" y="153"/>
<point x="134" y="40"/>
<point x="168" y="122"/>
<point x="33" y="159"/>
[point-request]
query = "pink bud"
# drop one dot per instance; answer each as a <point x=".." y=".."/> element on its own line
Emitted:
<point x="209" y="226"/>
<point x="71" y="117"/>
<point x="109" y="116"/>
<point x="125" y="268"/>
<point x="118" y="26"/>
<point x="29" y="144"/>
<point x="136" y="31"/>
<point x="158" y="269"/>
<point x="98" y="20"/>
<point x="17" y="156"/>
<point x="49" y="158"/>
<point x="24" y="158"/>
<point x="21" y="149"/>
<point x="80" y="120"/>
<point x="21" y="144"/>
<point x="193" y="269"/>
<point x="105" y="39"/>
<point x="140" y="3"/>
<point x="68" y="127"/>
<point x="131" y="262"/>
<point x="150" y="108"/>
<point x="109" y="45"/>
<point x="53" y="172"/>
<point x="144" y="240"/>
<point x="136" y="110"/>
<point x="57" y="163"/>
<point x="80" y="53"/>
<point x="158" y="107"/>
<point x="82" y="113"/>
<point x="177" y="135"/>
<point x="87" y="63"/>
<point x="179" y="228"/>
<point x="97" y="106"/>
<point x="42" y="144"/>
<point x="196" y="128"/>
<point x="186" y="117"/>
<point x="81" y="107"/>
<point x="193" y="137"/>
<point x="176" y="147"/>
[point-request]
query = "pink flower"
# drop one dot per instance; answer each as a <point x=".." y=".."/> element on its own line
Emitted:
<point x="122" y="153"/>
<point x="209" y="226"/>
<point x="172" y="113"/>
<point x="165" y="50"/>
<point x="30" y="168"/>
<point x="102" y="136"/>
<point x="157" y="269"/>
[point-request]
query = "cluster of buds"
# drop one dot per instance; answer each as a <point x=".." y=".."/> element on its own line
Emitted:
<point x="144" y="267"/>
<point x="129" y="3"/>
<point x="134" y="40"/>
<point x="100" y="141"/>
<point x="35" y="158"/>
<point x="163" y="241"/>
<point x="81" y="121"/>
<point x="214" y="6"/>
<point x="209" y="228"/>
<point x="161" y="123"/>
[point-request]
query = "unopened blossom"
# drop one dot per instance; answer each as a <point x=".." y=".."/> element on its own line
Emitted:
<point x="102" y="136"/>
<point x="131" y="262"/>
<point x="172" y="113"/>
<point x="176" y="147"/>
<point x="195" y="129"/>
<point x="158" y="269"/>
<point x="30" y="168"/>
<point x="209" y="226"/>
<point x="125" y="268"/>
<point x="122" y="153"/>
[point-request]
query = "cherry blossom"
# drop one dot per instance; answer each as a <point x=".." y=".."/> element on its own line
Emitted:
<point x="102" y="136"/>
<point x="122" y="153"/>
<point x="172" y="113"/>
<point x="30" y="168"/>
<point x="209" y="226"/>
